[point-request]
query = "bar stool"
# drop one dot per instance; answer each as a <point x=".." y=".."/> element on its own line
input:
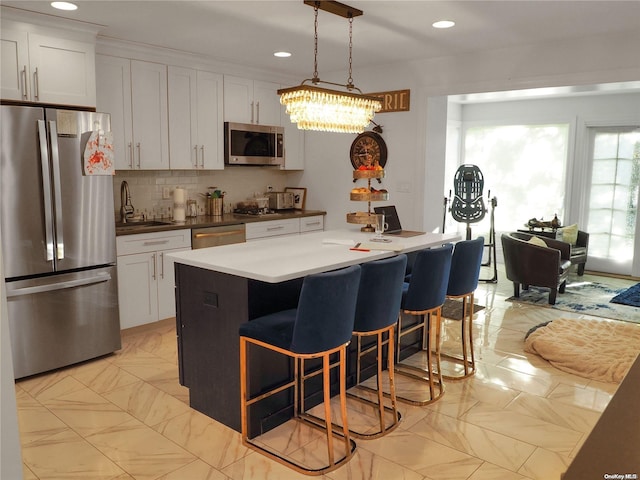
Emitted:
<point x="320" y="326"/>
<point x="463" y="281"/>
<point x="423" y="297"/>
<point x="379" y="298"/>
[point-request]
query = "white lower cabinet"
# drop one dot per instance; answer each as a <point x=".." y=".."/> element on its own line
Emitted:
<point x="272" y="228"/>
<point x="146" y="276"/>
<point x="288" y="226"/>
<point x="311" y="224"/>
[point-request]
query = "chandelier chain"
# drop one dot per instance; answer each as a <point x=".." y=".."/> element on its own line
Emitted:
<point x="350" y="79"/>
<point x="315" y="48"/>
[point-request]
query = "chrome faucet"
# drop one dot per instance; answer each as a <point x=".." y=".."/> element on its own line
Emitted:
<point x="126" y="207"/>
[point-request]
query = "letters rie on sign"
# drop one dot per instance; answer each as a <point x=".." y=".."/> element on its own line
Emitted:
<point x="394" y="101"/>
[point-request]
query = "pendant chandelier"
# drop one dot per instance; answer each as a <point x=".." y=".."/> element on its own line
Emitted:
<point x="315" y="108"/>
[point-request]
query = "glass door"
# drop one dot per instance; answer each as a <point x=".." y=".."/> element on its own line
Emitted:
<point x="613" y="200"/>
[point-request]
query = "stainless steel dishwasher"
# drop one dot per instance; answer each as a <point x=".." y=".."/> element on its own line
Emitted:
<point x="216" y="236"/>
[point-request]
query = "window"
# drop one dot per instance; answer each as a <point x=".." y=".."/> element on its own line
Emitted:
<point x="524" y="168"/>
<point x="613" y="198"/>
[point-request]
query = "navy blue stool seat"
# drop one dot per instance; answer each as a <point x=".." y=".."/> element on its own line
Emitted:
<point x="423" y="297"/>
<point x="379" y="298"/>
<point x="463" y="281"/>
<point x="320" y="326"/>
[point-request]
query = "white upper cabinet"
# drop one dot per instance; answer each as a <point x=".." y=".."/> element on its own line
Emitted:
<point x="135" y="94"/>
<point x="251" y="101"/>
<point x="293" y="144"/>
<point x="195" y="119"/>
<point x="47" y="69"/>
<point x="149" y="114"/>
<point x="113" y="95"/>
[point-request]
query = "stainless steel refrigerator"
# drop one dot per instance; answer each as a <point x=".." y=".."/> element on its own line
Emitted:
<point x="58" y="240"/>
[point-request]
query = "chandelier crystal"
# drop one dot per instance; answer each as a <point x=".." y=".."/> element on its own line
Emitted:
<point x="322" y="109"/>
<point x="327" y="110"/>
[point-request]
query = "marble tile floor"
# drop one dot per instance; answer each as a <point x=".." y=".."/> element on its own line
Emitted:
<point x="125" y="416"/>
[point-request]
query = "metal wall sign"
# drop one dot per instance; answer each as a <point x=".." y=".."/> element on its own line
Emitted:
<point x="394" y="101"/>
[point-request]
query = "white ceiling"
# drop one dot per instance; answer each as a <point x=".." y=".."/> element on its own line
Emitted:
<point x="248" y="32"/>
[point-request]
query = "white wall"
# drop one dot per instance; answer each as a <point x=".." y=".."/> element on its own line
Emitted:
<point x="415" y="153"/>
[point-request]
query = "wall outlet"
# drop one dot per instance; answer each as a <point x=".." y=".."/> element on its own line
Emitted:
<point x="166" y="193"/>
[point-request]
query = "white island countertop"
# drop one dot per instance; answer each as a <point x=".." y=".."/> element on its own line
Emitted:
<point x="278" y="259"/>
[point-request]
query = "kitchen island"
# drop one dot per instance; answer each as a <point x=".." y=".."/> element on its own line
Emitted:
<point x="219" y="288"/>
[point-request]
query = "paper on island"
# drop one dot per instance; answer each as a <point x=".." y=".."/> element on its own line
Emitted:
<point x="338" y="241"/>
<point x="390" y="246"/>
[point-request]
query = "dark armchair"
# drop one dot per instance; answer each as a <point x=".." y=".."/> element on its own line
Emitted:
<point x="579" y="251"/>
<point x="541" y="266"/>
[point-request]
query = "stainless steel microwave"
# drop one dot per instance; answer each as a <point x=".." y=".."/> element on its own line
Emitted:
<point x="250" y="144"/>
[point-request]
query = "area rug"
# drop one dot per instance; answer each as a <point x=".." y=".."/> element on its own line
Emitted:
<point x="589" y="298"/>
<point x="595" y="349"/>
<point x="452" y="309"/>
<point x="631" y="296"/>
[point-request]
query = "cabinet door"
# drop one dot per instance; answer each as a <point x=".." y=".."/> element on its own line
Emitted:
<point x="238" y="99"/>
<point x="293" y="144"/>
<point x="149" y="114"/>
<point x="272" y="228"/>
<point x="266" y="103"/>
<point x="166" y="284"/>
<point x="137" y="289"/>
<point x="14" y="69"/>
<point x="62" y="71"/>
<point x="210" y="120"/>
<point x="183" y="148"/>
<point x="113" y="95"/>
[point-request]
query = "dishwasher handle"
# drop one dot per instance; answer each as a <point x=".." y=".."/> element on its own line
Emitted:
<point x="218" y="234"/>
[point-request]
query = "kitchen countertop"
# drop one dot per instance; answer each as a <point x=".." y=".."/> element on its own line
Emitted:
<point x="202" y="221"/>
<point x="282" y="258"/>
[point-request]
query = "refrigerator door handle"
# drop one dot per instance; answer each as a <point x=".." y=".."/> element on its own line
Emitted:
<point x="46" y="187"/>
<point x="57" y="189"/>
<point x="81" y="282"/>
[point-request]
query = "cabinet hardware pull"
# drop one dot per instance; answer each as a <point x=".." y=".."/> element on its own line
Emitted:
<point x="131" y="155"/>
<point x="202" y="152"/>
<point x="251" y="112"/>
<point x="308" y="224"/>
<point x="138" y="147"/>
<point x="279" y="227"/>
<point x="36" y="86"/>
<point x="155" y="242"/>
<point x="195" y="152"/>
<point x="23" y="81"/>
<point x="153" y="256"/>
<point x="257" y="112"/>
<point x="161" y="264"/>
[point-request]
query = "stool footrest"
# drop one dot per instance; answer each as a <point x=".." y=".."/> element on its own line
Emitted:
<point x="394" y="424"/>
<point x="298" y="467"/>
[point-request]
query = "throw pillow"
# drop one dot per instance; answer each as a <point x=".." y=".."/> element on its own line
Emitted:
<point x="537" y="241"/>
<point x="570" y="234"/>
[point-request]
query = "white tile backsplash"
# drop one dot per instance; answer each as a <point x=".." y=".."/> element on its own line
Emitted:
<point x="239" y="183"/>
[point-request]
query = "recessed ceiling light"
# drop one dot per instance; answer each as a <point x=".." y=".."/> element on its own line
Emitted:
<point x="443" y="24"/>
<point x="64" y="5"/>
<point x="282" y="54"/>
